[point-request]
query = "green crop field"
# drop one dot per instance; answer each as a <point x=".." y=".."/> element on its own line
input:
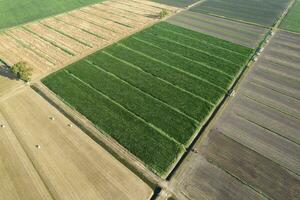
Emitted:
<point x="16" y="12"/>
<point x="292" y="21"/>
<point x="264" y="12"/>
<point x="153" y="91"/>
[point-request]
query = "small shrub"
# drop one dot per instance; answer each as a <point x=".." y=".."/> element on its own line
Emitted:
<point x="22" y="71"/>
<point x="162" y="14"/>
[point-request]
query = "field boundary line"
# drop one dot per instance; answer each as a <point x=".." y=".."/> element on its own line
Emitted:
<point x="136" y="67"/>
<point x="127" y="110"/>
<point x="203" y="41"/>
<point x="142" y="91"/>
<point x="200" y="63"/>
<point x="171" y="66"/>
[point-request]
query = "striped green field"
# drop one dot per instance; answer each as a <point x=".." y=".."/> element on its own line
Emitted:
<point x="153" y="91"/>
<point x="292" y="21"/>
<point x="16" y="12"/>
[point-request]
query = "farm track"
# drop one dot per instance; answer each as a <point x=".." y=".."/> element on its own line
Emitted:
<point x="69" y="163"/>
<point x="52" y="43"/>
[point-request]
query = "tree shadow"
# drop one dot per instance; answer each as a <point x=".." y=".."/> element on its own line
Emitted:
<point x="153" y="16"/>
<point x="6" y="72"/>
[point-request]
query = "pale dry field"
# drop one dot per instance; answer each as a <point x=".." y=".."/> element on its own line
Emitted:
<point x="55" y="42"/>
<point x="68" y="164"/>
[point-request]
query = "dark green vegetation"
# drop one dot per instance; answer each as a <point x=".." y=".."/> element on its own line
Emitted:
<point x="292" y="21"/>
<point x="16" y="12"/>
<point x="264" y="12"/>
<point x="177" y="3"/>
<point x="153" y="91"/>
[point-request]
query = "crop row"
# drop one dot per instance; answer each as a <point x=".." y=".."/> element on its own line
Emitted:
<point x="149" y="92"/>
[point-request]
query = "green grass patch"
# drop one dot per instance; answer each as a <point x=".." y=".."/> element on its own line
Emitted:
<point x="150" y="92"/>
<point x="16" y="12"/>
<point x="291" y="21"/>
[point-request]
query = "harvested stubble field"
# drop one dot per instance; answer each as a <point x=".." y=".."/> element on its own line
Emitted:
<point x="263" y="12"/>
<point x="292" y="21"/>
<point x="54" y="42"/>
<point x="153" y="91"/>
<point x="67" y="164"/>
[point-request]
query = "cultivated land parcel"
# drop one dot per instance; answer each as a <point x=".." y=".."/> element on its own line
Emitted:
<point x="16" y="12"/>
<point x="153" y="91"/>
<point x="263" y="12"/>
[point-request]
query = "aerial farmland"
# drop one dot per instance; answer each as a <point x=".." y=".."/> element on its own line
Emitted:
<point x="149" y="99"/>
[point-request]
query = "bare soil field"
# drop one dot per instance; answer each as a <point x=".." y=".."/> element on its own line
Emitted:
<point x="63" y="159"/>
<point x="236" y="32"/>
<point x="258" y="131"/>
<point x="54" y="42"/>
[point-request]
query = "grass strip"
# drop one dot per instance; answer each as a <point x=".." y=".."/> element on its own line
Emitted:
<point x="156" y="150"/>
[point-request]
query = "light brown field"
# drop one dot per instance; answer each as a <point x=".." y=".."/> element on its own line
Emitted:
<point x="18" y="176"/>
<point x="55" y="42"/>
<point x="57" y="38"/>
<point x="125" y="14"/>
<point x="68" y="163"/>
